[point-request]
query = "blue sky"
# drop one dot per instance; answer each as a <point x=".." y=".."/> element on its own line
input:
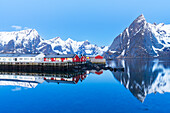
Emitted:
<point x="98" y="21"/>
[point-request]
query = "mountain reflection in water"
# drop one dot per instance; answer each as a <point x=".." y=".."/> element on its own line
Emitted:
<point x="143" y="77"/>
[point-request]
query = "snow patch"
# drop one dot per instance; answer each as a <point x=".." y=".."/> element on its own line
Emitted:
<point x="123" y="53"/>
<point x="112" y="51"/>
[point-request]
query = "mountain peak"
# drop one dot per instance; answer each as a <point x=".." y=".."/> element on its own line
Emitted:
<point x="140" y="19"/>
<point x="141" y="16"/>
<point x="138" y="24"/>
<point x="29" y="41"/>
<point x="141" y="39"/>
<point x="69" y="40"/>
<point x="56" y="38"/>
<point x="27" y="30"/>
<point x="86" y="41"/>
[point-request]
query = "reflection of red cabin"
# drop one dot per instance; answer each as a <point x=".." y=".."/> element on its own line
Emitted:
<point x="83" y="59"/>
<point x="99" y="72"/>
<point x="82" y="77"/>
<point x="76" y="58"/>
<point x="76" y="79"/>
<point x="98" y="57"/>
<point x="62" y="58"/>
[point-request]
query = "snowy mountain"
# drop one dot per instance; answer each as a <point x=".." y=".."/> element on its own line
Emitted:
<point x="29" y="41"/>
<point x="141" y="39"/>
<point x="144" y="77"/>
<point x="25" y="41"/>
<point x="57" y="45"/>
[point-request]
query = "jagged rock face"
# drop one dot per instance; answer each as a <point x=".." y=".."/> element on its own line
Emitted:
<point x="141" y="39"/>
<point x="29" y="41"/>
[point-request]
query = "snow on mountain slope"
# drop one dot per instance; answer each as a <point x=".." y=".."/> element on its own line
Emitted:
<point x="29" y="41"/>
<point x="89" y="49"/>
<point x="70" y="46"/>
<point x="75" y="45"/>
<point x="55" y="45"/>
<point x="141" y="39"/>
<point x="161" y="32"/>
<point x="85" y="47"/>
<point x="24" y="41"/>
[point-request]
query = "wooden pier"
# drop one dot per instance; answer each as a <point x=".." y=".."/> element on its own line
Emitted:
<point x="41" y="66"/>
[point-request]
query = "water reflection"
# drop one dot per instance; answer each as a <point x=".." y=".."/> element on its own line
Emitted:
<point x="143" y="77"/>
<point x="66" y="78"/>
<point x="31" y="80"/>
<point x="140" y="77"/>
<point x="10" y="79"/>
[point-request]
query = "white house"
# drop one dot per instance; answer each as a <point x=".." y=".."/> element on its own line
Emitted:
<point x="21" y="57"/>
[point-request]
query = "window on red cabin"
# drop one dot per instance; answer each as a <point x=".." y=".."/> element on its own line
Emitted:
<point x="52" y="59"/>
<point x="62" y="59"/>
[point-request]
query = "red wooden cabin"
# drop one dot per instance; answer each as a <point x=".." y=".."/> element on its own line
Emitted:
<point x="98" y="57"/>
<point x="83" y="59"/>
<point x="62" y="58"/>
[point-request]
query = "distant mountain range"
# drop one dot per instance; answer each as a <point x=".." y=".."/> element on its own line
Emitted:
<point x="141" y="39"/>
<point x="29" y="41"/>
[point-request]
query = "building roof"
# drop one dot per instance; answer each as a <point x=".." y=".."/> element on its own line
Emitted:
<point x="60" y="81"/>
<point x="61" y="56"/>
<point x="18" y="55"/>
<point x="98" y="57"/>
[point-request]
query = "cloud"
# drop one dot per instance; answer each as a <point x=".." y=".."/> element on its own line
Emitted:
<point x="25" y="28"/>
<point x="17" y="89"/>
<point x="16" y="27"/>
<point x="20" y="27"/>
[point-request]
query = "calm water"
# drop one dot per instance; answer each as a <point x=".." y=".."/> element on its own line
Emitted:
<point x="143" y="86"/>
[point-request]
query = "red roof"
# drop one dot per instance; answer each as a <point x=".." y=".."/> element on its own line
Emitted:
<point x="98" y="57"/>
